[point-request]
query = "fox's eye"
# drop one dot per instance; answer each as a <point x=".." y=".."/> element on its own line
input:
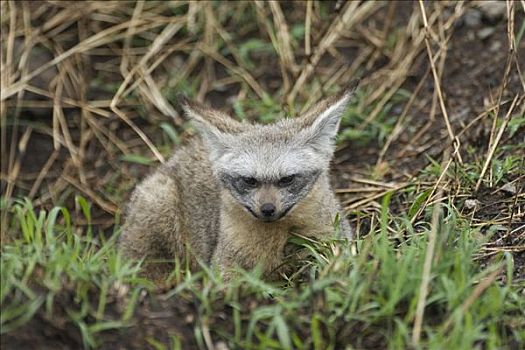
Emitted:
<point x="250" y="181"/>
<point x="286" y="181"/>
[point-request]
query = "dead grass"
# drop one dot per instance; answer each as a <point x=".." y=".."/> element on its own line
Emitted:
<point x="85" y="88"/>
<point x="92" y="79"/>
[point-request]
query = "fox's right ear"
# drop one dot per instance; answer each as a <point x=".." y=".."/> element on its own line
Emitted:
<point x="217" y="128"/>
<point x="210" y="117"/>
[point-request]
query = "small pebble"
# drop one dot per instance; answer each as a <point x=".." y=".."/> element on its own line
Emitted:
<point x="189" y="319"/>
<point x="471" y="203"/>
<point x="509" y="188"/>
<point x="472" y="18"/>
<point x="221" y="346"/>
<point x="485" y="32"/>
<point x="495" y="46"/>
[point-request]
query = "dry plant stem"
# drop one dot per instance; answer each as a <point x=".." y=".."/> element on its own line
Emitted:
<point x="371" y="198"/>
<point x="478" y="118"/>
<point x="403" y="58"/>
<point x="86" y="134"/>
<point x="391" y="13"/>
<point x="138" y="80"/>
<point x="352" y="13"/>
<point x="399" y="127"/>
<point x="480" y="288"/>
<point x="139" y="132"/>
<point x="511" y="54"/>
<point x="168" y="32"/>
<point x="283" y="38"/>
<point x="151" y="90"/>
<point x="14" y="172"/>
<point x="91" y="107"/>
<point x="193" y="7"/>
<point x="101" y="38"/>
<point x="429" y="254"/>
<point x="14" y="162"/>
<point x="376" y="183"/>
<point x="437" y="82"/>
<point x="107" y="206"/>
<point x="436" y="185"/>
<point x="343" y="74"/>
<point x="515" y="248"/>
<point x="358" y="190"/>
<point x="238" y="70"/>
<point x="129" y="35"/>
<point x="307" y="27"/>
<point x="210" y="40"/>
<point x="512" y="39"/>
<point x="207" y="336"/>
<point x="510" y="29"/>
<point x="277" y="41"/>
<point x="514" y="207"/>
<point x="59" y="122"/>
<point x="494" y="145"/>
<point x="43" y="173"/>
<point x="153" y="93"/>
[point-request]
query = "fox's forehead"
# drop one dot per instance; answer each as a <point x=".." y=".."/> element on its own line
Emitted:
<point x="271" y="152"/>
<point x="285" y="131"/>
<point x="270" y="160"/>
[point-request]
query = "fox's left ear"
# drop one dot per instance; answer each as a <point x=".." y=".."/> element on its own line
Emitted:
<point x="321" y="122"/>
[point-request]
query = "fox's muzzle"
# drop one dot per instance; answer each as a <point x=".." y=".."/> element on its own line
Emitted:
<point x="267" y="201"/>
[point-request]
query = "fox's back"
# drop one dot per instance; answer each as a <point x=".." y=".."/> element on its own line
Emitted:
<point x="176" y="207"/>
<point x="199" y="195"/>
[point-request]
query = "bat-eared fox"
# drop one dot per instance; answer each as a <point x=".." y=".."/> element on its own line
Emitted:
<point x="234" y="193"/>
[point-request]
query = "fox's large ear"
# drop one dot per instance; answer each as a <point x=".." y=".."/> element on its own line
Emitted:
<point x="321" y="122"/>
<point x="217" y="128"/>
<point x="209" y="117"/>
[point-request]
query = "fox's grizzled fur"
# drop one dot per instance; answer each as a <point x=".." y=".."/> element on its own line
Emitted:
<point x="233" y="194"/>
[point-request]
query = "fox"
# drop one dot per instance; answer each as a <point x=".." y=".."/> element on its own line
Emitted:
<point x="232" y="196"/>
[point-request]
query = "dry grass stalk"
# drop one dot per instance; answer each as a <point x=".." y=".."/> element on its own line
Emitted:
<point x="352" y="14"/>
<point x="480" y="288"/>
<point x="401" y="124"/>
<point x="429" y="255"/>
<point x="307" y="28"/>
<point x="496" y="141"/>
<point x="436" y="185"/>
<point x="437" y="80"/>
<point x="107" y="206"/>
<point x="105" y="40"/>
<point x="285" y="50"/>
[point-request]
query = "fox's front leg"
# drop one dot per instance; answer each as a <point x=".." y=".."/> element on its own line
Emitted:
<point x="264" y="253"/>
<point x="227" y="259"/>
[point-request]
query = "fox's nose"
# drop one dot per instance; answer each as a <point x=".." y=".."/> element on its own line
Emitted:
<point x="268" y="209"/>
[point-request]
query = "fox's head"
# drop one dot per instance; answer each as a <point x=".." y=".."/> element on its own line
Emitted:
<point x="268" y="169"/>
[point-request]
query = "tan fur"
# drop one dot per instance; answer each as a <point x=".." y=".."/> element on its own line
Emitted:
<point x="249" y="242"/>
<point x="182" y="210"/>
<point x="173" y="209"/>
